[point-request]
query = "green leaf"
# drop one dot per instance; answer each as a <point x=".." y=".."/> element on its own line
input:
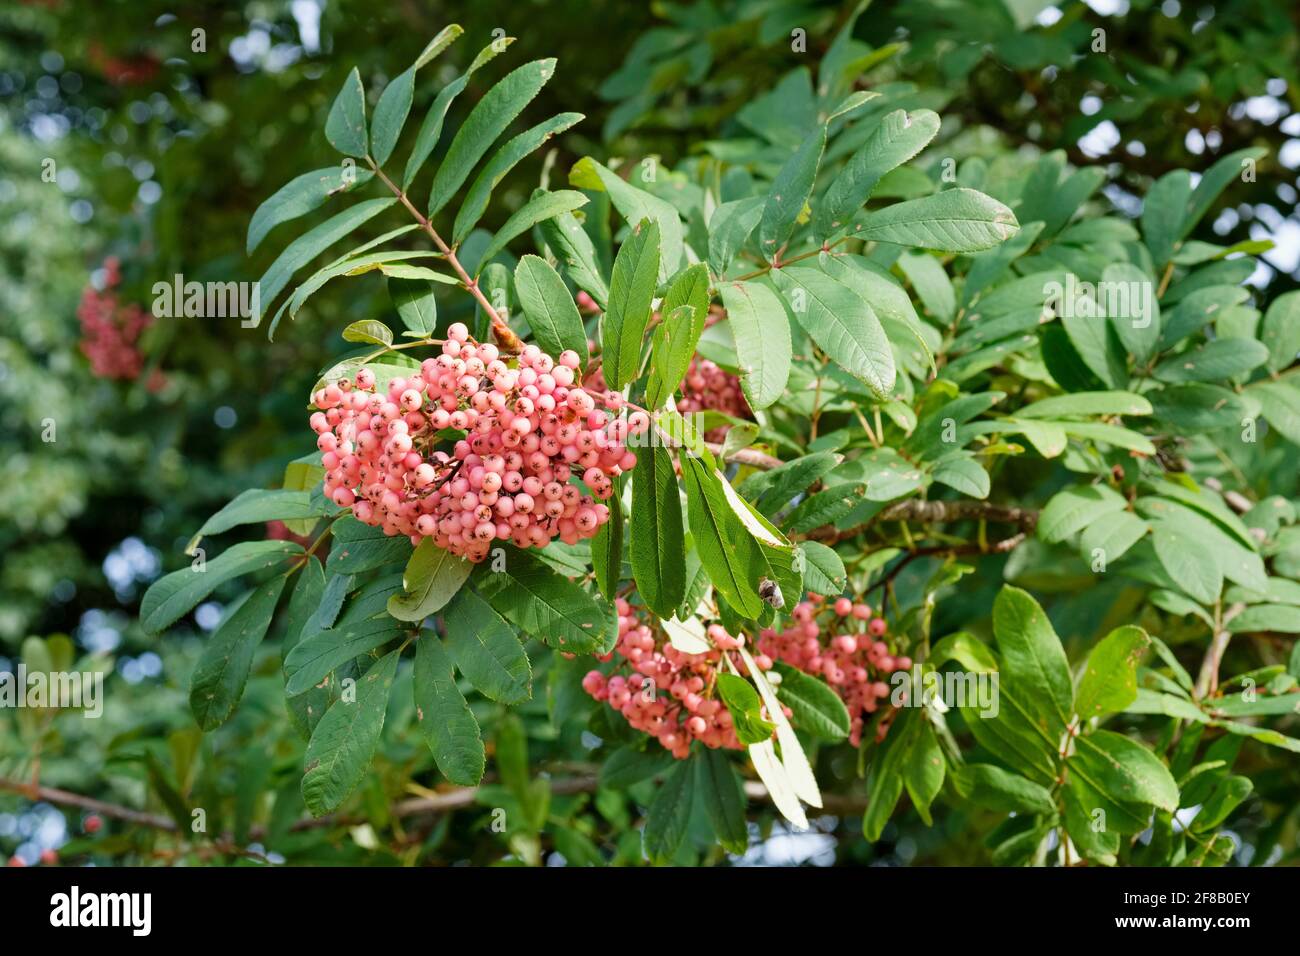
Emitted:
<point x="1095" y="843"/>
<point x="1280" y="404"/>
<point x="488" y="120"/>
<point x="308" y="595"/>
<point x="816" y="708"/>
<point x="965" y="474"/>
<point x="1127" y="771"/>
<point x="632" y="290"/>
<point x="1032" y="664"/>
<point x="635" y="205"/>
<point x="745" y="706"/>
<point x="1112" y="535"/>
<point x="899" y="137"/>
<point x="546" y="605"/>
<point x="415" y="303"/>
<point x="318" y="655"/>
<point x="669" y="815"/>
<point x="924" y="772"/>
<point x="359" y="547"/>
<point x="307" y="247"/>
<point x="1086" y="404"/>
<point x="885" y="779"/>
<point x="368" y="330"/>
<point x="390" y="115"/>
<point x="432" y="578"/>
<point x="656" y="542"/>
<point x="172" y="596"/>
<point x="720" y="790"/>
<point x="486" y="650"/>
<point x="444" y="718"/>
<point x="1281" y="331"/>
<point x="1216" y="361"/>
<point x="996" y="789"/>
<point x="344" y="741"/>
<point x="955" y="220"/>
<point x="1281" y="618"/>
<point x="730" y="227"/>
<point x="684" y="309"/>
<point x="730" y="554"/>
<point x="431" y="128"/>
<point x="346" y="126"/>
<point x="544" y="205"/>
<point x="219" y="678"/>
<point x="772" y="489"/>
<point x="1195" y="570"/>
<point x="842" y="324"/>
<point x="395" y="103"/>
<point x="628" y="766"/>
<point x="300" y="196"/>
<point x="1098" y="345"/>
<point x="1109" y="680"/>
<point x="550" y="309"/>
<point x="258" y="505"/>
<point x="574" y="249"/>
<point x="1075" y="508"/>
<point x="607" y="546"/>
<point x="495" y="170"/>
<point x="823" y="571"/>
<point x="931" y="284"/>
<point x="789" y="194"/>
<point x="1163" y="211"/>
<point x="1135" y="318"/>
<point x="762" y="332"/>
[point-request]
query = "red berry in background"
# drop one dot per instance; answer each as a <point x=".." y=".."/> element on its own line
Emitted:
<point x="49" y="857"/>
<point x="15" y="861"/>
<point x="110" y="331"/>
<point x="93" y="824"/>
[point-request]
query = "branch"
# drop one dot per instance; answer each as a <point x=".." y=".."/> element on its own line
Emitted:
<point x="939" y="512"/>
<point x="505" y="336"/>
<point x="950" y="551"/>
<point x="747" y="456"/>
<point x="438" y="804"/>
<point x="67" y="798"/>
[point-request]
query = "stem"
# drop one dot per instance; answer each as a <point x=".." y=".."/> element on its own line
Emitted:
<point x="505" y="336"/>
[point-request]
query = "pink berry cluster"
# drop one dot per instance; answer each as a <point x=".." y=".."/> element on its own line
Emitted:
<point x="528" y="430"/>
<point x="110" y="330"/>
<point x="709" y="387"/>
<point x="840" y="641"/>
<point x="665" y="692"/>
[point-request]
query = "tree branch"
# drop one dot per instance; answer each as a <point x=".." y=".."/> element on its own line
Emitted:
<point x="505" y="335"/>
<point x="939" y="512"/>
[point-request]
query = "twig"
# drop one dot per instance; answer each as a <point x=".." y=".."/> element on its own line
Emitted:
<point x="936" y="512"/>
<point x="747" y="456"/>
<point x="505" y="336"/>
<point x="67" y="798"/>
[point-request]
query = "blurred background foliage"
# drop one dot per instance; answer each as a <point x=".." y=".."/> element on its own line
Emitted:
<point x="148" y="131"/>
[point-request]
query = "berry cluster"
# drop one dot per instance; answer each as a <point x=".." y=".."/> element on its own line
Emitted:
<point x="708" y="387"/>
<point x="526" y="432"/>
<point x="110" y="330"/>
<point x="840" y="641"/>
<point x="688" y="709"/>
